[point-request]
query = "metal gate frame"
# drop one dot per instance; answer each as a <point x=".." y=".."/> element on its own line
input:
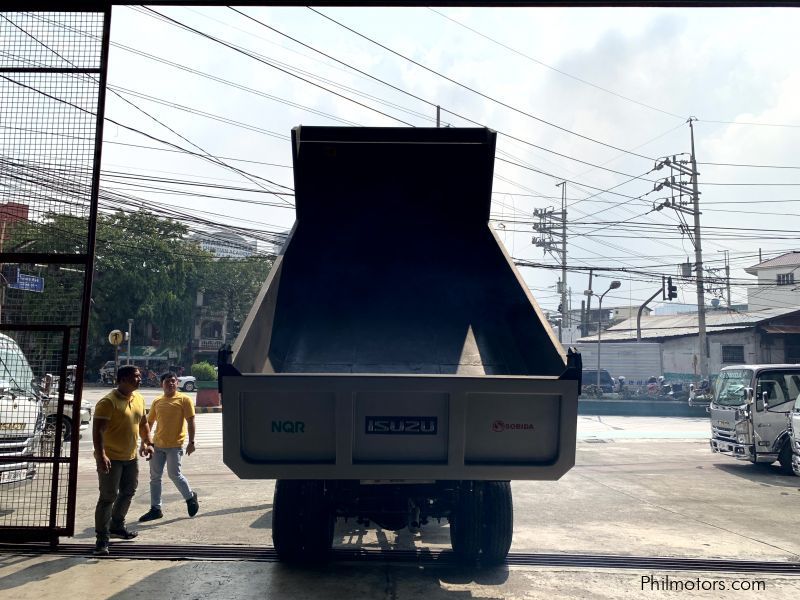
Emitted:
<point x="51" y="532"/>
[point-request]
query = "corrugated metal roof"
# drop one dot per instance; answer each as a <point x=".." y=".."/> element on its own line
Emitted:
<point x="686" y="324"/>
<point x="790" y="259"/>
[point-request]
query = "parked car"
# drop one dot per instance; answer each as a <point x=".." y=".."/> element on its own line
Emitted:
<point x="606" y="381"/>
<point x="187" y="383"/>
<point x="49" y="396"/>
<point x="108" y="373"/>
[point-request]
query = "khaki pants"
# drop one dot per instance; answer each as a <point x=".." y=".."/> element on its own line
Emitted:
<point x="117" y="488"/>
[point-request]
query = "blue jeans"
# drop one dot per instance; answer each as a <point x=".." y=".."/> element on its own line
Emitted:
<point x="172" y="458"/>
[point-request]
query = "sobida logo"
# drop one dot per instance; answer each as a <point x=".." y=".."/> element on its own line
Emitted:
<point x="501" y="426"/>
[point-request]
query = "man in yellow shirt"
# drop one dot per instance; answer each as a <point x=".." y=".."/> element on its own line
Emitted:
<point x="117" y="416"/>
<point x="173" y="414"/>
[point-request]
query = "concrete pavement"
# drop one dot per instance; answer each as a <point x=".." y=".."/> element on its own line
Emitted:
<point x="641" y="487"/>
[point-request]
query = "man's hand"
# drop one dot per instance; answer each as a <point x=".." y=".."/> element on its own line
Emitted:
<point x="190" y="448"/>
<point x="146" y="450"/>
<point x="103" y="464"/>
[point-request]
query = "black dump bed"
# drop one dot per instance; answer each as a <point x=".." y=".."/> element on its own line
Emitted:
<point x="394" y="338"/>
<point x="392" y="266"/>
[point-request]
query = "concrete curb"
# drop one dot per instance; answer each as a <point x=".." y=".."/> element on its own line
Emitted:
<point x="639" y="408"/>
<point x="207" y="409"/>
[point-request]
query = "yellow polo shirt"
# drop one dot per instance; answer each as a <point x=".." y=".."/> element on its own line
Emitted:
<point x="122" y="434"/>
<point x="171" y="415"/>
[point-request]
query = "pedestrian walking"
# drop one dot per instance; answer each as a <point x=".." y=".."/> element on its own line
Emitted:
<point x="172" y="413"/>
<point x="117" y="418"/>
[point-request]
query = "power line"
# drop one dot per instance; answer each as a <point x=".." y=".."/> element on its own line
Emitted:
<point x="474" y="91"/>
<point x="543" y="64"/>
<point x="265" y="62"/>
<point x="425" y="101"/>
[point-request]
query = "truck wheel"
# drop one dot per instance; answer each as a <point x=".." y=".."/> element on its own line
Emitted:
<point x="498" y="522"/>
<point x="302" y="521"/>
<point x="785" y="458"/>
<point x="66" y="429"/>
<point x="465" y="523"/>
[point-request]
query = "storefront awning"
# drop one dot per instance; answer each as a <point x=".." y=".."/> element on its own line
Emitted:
<point x="781" y="329"/>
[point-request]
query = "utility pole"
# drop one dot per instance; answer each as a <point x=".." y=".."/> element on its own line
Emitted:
<point x="565" y="307"/>
<point x="588" y="293"/>
<point x="552" y="225"/>
<point x="678" y="168"/>
<point x="728" y="277"/>
<point x="698" y="261"/>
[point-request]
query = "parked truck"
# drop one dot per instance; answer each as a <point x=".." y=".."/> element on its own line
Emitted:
<point x="394" y="367"/>
<point x="22" y="414"/>
<point x="794" y="436"/>
<point x="750" y="413"/>
<point x="29" y="414"/>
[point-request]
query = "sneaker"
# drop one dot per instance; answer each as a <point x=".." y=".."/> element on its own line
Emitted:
<point x="151" y="515"/>
<point x="100" y="548"/>
<point x="192" y="505"/>
<point x="123" y="533"/>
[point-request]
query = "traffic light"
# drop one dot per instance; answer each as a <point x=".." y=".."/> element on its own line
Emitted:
<point x="672" y="290"/>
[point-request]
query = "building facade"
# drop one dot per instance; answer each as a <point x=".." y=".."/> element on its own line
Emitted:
<point x="761" y="336"/>
<point x="778" y="283"/>
<point x="224" y="244"/>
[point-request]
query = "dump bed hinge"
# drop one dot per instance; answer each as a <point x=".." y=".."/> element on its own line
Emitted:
<point x="224" y="366"/>
<point x="574" y="370"/>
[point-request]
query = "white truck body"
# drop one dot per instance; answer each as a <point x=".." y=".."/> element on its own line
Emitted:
<point x="750" y="412"/>
<point x="21" y="413"/>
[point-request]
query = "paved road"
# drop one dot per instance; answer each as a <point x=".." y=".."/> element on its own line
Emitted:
<point x="640" y="487"/>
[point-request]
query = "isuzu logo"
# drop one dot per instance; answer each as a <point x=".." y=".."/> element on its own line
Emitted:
<point x="12" y="426"/>
<point x="401" y="425"/>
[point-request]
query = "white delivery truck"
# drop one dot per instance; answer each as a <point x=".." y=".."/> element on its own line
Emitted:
<point x="394" y="367"/>
<point x="750" y="413"/>
<point x="22" y="415"/>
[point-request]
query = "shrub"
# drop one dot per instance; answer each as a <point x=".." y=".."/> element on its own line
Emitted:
<point x="204" y="371"/>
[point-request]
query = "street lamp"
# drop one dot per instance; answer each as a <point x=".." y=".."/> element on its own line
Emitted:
<point x="614" y="285"/>
<point x="130" y="331"/>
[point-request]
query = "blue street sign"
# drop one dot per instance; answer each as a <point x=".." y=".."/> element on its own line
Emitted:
<point x="29" y="283"/>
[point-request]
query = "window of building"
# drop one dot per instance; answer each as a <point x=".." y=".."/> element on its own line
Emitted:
<point x="733" y="354"/>
<point x="786" y="279"/>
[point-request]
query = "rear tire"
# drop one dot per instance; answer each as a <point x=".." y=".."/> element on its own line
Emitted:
<point x="188" y="386"/>
<point x="302" y="521"/>
<point x="498" y="522"/>
<point x="465" y="523"/>
<point x="785" y="458"/>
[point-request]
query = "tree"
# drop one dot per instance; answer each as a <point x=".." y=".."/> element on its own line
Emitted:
<point x="232" y="284"/>
<point x="145" y="269"/>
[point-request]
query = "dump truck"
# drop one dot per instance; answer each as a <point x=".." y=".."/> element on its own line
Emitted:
<point x="395" y="367"/>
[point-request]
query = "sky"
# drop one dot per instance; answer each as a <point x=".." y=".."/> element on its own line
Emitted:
<point x="594" y="96"/>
